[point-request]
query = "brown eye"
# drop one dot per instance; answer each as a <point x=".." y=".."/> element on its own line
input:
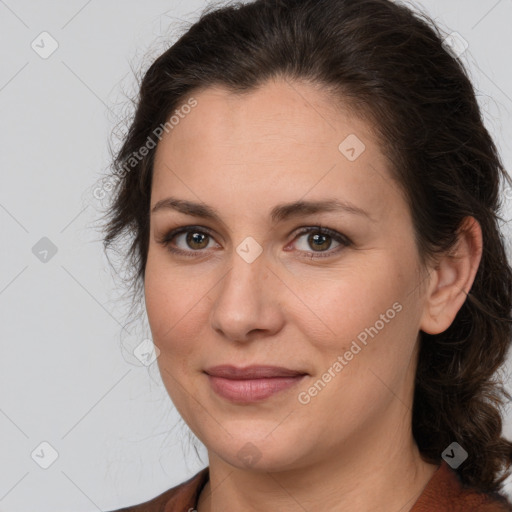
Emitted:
<point x="320" y="239"/>
<point x="196" y="240"/>
<point x="187" y="240"/>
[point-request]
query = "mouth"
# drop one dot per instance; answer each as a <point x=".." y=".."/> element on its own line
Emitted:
<point x="253" y="383"/>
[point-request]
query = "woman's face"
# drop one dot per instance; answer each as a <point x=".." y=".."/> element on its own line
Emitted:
<point x="337" y="311"/>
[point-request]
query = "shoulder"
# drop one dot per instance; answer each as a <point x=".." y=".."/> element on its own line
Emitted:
<point x="180" y="498"/>
<point x="445" y="491"/>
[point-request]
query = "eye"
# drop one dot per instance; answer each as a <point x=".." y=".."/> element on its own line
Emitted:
<point x="320" y="239"/>
<point x="195" y="239"/>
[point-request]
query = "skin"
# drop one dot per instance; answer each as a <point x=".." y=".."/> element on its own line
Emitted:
<point x="351" y="446"/>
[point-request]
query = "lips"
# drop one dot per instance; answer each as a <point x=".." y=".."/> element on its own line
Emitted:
<point x="251" y="372"/>
<point x="253" y="383"/>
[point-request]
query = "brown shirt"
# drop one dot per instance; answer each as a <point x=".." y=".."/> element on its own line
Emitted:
<point x="443" y="493"/>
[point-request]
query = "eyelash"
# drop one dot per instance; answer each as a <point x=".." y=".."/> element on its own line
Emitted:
<point x="338" y="237"/>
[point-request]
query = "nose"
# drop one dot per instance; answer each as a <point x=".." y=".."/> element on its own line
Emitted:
<point x="246" y="304"/>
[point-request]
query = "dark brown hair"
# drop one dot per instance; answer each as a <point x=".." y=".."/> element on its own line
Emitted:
<point x="392" y="67"/>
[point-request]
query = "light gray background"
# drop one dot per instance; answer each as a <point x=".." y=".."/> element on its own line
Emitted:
<point x="67" y="375"/>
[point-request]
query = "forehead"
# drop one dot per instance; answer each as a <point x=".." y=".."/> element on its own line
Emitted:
<point x="278" y="114"/>
<point x="282" y="137"/>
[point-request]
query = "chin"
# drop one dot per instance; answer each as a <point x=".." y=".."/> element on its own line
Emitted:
<point x="259" y="454"/>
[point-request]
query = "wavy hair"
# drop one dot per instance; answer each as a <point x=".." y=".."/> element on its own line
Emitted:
<point x="391" y="66"/>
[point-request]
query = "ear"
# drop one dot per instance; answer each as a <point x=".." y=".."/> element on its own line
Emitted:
<point x="452" y="278"/>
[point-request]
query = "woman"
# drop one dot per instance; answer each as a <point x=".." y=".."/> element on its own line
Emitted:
<point x="313" y="203"/>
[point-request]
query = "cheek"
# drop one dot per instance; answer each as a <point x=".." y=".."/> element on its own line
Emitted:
<point x="364" y="371"/>
<point x="158" y="297"/>
<point x="165" y="304"/>
<point x="335" y="311"/>
<point x="370" y="320"/>
<point x="377" y="358"/>
<point x="177" y="307"/>
<point x="172" y="319"/>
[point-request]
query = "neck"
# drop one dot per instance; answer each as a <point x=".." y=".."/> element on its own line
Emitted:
<point x="385" y="476"/>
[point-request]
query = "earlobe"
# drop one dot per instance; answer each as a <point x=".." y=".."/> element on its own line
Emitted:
<point x="452" y="279"/>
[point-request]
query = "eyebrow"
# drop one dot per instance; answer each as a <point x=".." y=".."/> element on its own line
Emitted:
<point x="279" y="213"/>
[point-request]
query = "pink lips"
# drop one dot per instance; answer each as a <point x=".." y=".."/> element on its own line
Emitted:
<point x="253" y="383"/>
